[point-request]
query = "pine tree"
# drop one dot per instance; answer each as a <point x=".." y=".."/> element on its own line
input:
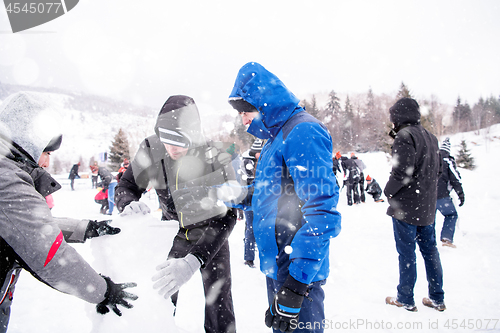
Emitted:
<point x="404" y="91"/>
<point x="346" y="124"/>
<point x="119" y="150"/>
<point x="313" y="110"/>
<point x="462" y="116"/>
<point x="464" y="158"/>
<point x="333" y="104"/>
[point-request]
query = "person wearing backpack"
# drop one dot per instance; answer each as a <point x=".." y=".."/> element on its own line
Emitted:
<point x="294" y="198"/>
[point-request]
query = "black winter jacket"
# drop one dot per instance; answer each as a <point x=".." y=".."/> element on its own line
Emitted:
<point x="412" y="186"/>
<point x="106" y="177"/>
<point x="450" y="178"/>
<point x="153" y="167"/>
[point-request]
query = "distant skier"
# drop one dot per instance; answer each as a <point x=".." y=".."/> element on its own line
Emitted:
<point x="373" y="188"/>
<point x="450" y="179"/>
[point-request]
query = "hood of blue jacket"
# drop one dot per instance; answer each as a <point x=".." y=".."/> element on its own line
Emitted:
<point x="275" y="103"/>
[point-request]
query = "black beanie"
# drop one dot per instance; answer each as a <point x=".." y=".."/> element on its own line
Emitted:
<point x="54" y="144"/>
<point x="240" y="105"/>
<point x="178" y="123"/>
<point x="405" y="111"/>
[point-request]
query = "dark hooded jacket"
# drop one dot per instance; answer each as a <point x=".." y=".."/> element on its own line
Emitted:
<point x="206" y="165"/>
<point x="412" y="186"/>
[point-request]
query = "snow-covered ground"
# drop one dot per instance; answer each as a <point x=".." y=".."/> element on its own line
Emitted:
<point x="363" y="261"/>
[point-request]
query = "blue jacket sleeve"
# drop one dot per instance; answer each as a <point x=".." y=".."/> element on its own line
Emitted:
<point x="308" y="156"/>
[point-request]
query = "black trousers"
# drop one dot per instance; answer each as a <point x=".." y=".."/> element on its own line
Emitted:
<point x="216" y="276"/>
<point x="352" y="192"/>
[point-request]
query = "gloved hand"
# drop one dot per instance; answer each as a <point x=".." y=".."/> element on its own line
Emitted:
<point x="173" y="273"/>
<point x="286" y="306"/>
<point x="114" y="296"/>
<point x="96" y="229"/>
<point x="136" y="207"/>
<point x="461" y="197"/>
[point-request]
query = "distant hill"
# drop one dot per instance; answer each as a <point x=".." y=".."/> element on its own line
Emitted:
<point x="90" y="123"/>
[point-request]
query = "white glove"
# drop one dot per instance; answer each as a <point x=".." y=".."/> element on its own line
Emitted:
<point x="173" y="273"/>
<point x="136" y="207"/>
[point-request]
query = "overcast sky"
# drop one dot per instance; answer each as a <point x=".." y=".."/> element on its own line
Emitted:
<point x="144" y="51"/>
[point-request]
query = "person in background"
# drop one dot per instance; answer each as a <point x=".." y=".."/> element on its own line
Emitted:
<point x="295" y="195"/>
<point x="122" y="169"/>
<point x="361" y="181"/>
<point x="111" y="195"/>
<point x="94" y="169"/>
<point x="352" y="178"/>
<point x="373" y="188"/>
<point x="30" y="237"/>
<point x="337" y="164"/>
<point x="182" y="166"/>
<point x="250" y="159"/>
<point x="101" y="198"/>
<point x="74" y="174"/>
<point x="450" y="179"/>
<point x="412" y="195"/>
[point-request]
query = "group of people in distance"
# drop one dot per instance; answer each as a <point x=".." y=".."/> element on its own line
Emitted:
<point x="291" y="208"/>
<point x="353" y="178"/>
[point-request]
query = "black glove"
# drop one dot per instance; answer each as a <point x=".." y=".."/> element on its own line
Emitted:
<point x="96" y="229"/>
<point x="286" y="306"/>
<point x="115" y="295"/>
<point x="461" y="197"/>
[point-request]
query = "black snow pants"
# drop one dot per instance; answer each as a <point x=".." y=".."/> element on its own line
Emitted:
<point x="361" y="185"/>
<point x="216" y="276"/>
<point x="352" y="192"/>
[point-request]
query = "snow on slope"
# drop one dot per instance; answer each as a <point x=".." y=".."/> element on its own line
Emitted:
<point x="364" y="267"/>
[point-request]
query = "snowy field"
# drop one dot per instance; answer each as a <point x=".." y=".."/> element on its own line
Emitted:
<point x="364" y="266"/>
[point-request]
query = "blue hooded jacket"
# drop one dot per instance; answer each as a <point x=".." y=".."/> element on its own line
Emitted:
<point x="295" y="192"/>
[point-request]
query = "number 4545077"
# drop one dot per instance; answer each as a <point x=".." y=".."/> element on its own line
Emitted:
<point x="36" y="7"/>
<point x="472" y="324"/>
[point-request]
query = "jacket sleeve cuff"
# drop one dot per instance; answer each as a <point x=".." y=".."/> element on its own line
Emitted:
<point x="295" y="286"/>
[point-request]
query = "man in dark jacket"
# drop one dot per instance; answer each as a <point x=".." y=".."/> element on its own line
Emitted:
<point x="250" y="159"/>
<point x="30" y="237"/>
<point x="74" y="174"/>
<point x="106" y="178"/>
<point x="450" y="179"/>
<point x="412" y="194"/>
<point x="183" y="168"/>
<point x="361" y="181"/>
<point x="352" y="176"/>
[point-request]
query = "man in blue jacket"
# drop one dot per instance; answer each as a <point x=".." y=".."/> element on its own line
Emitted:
<point x="294" y="199"/>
